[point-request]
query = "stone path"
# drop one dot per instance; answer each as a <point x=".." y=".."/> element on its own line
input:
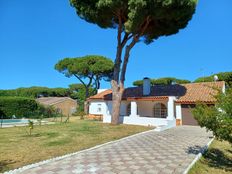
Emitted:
<point x="166" y="152"/>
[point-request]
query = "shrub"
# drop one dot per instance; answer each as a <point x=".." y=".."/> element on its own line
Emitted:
<point x="217" y="119"/>
<point x="24" y="107"/>
<point x="19" y="106"/>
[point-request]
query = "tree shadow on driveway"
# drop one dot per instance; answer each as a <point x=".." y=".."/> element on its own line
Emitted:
<point x="213" y="157"/>
<point x="195" y="149"/>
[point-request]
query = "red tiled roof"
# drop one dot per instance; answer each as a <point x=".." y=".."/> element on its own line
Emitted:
<point x="187" y="93"/>
<point x="102" y="95"/>
<point x="201" y="92"/>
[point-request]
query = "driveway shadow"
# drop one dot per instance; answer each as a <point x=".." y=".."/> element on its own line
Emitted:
<point x="213" y="157"/>
<point x="195" y="150"/>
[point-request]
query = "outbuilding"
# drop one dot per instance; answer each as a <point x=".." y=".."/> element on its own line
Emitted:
<point x="65" y="105"/>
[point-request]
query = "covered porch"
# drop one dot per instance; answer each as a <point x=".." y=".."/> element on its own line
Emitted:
<point x="155" y="111"/>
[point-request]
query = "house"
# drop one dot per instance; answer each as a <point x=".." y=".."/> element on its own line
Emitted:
<point x="159" y="105"/>
<point x="65" y="105"/>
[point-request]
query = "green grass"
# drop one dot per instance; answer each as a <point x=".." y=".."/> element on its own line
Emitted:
<point x="18" y="148"/>
<point x="217" y="160"/>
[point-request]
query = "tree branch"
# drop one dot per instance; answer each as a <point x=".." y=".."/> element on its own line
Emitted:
<point x="125" y="61"/>
<point x="127" y="37"/>
<point x="90" y="80"/>
<point x="127" y="52"/>
<point x="96" y="81"/>
<point x="144" y="26"/>
<point x="80" y="79"/>
<point x="118" y="60"/>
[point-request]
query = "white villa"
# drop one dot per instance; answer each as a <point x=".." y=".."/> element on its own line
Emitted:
<point x="159" y="105"/>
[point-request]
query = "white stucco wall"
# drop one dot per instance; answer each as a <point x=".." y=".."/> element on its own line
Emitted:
<point x="178" y="111"/>
<point x="143" y="117"/>
<point x="144" y="121"/>
<point x="98" y="107"/>
<point x="101" y="90"/>
<point x="170" y="107"/>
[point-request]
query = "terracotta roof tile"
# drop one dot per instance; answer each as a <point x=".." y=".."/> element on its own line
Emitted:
<point x="187" y="93"/>
<point x="203" y="92"/>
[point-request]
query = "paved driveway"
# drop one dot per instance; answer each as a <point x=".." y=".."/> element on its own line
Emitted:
<point x="170" y="151"/>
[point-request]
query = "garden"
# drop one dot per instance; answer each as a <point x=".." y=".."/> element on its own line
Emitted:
<point x="18" y="148"/>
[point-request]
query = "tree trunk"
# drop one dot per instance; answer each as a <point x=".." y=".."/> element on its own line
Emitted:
<point x="117" y="84"/>
<point x="116" y="102"/>
<point x="86" y="93"/>
<point x="86" y="107"/>
<point x="118" y="89"/>
<point x="86" y="103"/>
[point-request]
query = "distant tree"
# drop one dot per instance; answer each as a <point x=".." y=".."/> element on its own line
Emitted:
<point x="36" y="91"/>
<point x="89" y="70"/>
<point x="218" y="118"/>
<point x="162" y="81"/>
<point x="78" y="93"/>
<point x="181" y="81"/>
<point x="222" y="76"/>
<point x="135" y="20"/>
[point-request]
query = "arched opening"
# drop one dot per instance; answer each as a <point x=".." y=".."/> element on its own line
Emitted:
<point x="160" y="110"/>
<point x="128" y="109"/>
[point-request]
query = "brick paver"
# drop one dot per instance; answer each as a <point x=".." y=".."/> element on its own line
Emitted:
<point x="166" y="152"/>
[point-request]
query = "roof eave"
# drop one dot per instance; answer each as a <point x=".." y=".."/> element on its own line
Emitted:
<point x="195" y="102"/>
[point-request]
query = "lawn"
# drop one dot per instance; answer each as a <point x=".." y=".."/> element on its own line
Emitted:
<point x="217" y="160"/>
<point x="18" y="148"/>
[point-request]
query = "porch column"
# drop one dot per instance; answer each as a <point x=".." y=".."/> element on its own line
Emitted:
<point x="133" y="109"/>
<point x="171" y="108"/>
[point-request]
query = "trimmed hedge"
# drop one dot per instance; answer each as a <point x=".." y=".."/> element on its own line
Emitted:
<point x="18" y="106"/>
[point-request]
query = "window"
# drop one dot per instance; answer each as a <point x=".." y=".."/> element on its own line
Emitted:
<point x="128" y="109"/>
<point x="160" y="110"/>
<point x="99" y="109"/>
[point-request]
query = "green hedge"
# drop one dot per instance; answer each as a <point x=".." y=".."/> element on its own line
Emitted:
<point x="18" y="106"/>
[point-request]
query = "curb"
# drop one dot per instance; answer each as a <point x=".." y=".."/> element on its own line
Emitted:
<point x="21" y="169"/>
<point x="199" y="155"/>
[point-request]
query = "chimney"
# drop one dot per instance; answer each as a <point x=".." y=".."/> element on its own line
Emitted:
<point x="146" y="86"/>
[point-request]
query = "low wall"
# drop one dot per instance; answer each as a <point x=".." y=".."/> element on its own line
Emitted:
<point x="144" y="121"/>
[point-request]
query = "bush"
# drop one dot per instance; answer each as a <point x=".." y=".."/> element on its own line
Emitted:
<point x="47" y="111"/>
<point x="24" y="107"/>
<point x="19" y="106"/>
<point x="218" y="118"/>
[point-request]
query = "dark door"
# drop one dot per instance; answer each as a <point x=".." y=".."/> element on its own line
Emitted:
<point x="187" y="116"/>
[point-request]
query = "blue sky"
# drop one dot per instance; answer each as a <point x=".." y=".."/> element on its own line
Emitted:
<point x="34" y="36"/>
